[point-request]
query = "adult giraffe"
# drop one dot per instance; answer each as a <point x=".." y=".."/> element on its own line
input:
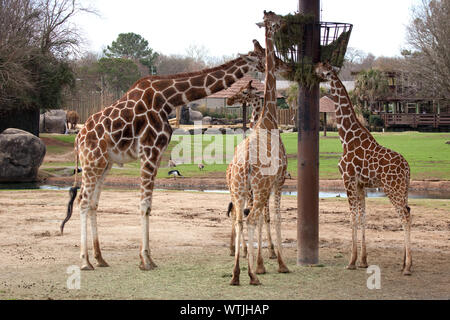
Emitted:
<point x="367" y="164"/>
<point x="137" y="127"/>
<point x="250" y="171"/>
<point x="251" y="96"/>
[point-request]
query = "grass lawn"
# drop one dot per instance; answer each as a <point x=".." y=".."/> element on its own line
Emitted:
<point x="427" y="153"/>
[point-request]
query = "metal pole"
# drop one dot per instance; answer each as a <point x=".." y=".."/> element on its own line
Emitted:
<point x="308" y="149"/>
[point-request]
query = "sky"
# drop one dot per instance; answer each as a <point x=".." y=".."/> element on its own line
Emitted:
<point x="227" y="27"/>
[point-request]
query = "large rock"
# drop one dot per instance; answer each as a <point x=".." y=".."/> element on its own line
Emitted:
<point x="206" y="120"/>
<point x="195" y="115"/>
<point x="53" y="121"/>
<point x="21" y="155"/>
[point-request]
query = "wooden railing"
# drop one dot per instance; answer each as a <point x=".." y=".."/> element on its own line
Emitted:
<point x="415" y="120"/>
<point x="287" y="116"/>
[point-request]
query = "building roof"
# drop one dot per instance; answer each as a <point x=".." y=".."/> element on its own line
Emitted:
<point x="235" y="87"/>
<point x="349" y="85"/>
<point x="326" y="105"/>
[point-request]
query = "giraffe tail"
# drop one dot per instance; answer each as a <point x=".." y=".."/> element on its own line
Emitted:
<point x="230" y="207"/>
<point x="72" y="192"/>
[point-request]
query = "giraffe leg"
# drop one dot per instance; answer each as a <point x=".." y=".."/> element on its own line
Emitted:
<point x="362" y="222"/>
<point x="282" y="268"/>
<point x="86" y="196"/>
<point x="238" y="224"/>
<point x="401" y="206"/>
<point x="260" y="269"/>
<point x="272" y="254"/>
<point x="353" y="202"/>
<point x="93" y="216"/>
<point x="249" y="204"/>
<point x="407" y="259"/>
<point x="252" y="219"/>
<point x="148" y="173"/>
<point x="233" y="235"/>
<point x="244" y="244"/>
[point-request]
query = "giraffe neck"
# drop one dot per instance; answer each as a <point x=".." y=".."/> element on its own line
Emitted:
<point x="268" y="119"/>
<point x="256" y="109"/>
<point x="171" y="91"/>
<point x="348" y="125"/>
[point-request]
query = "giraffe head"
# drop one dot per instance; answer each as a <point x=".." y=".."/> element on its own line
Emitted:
<point x="256" y="59"/>
<point x="325" y="71"/>
<point x="272" y="22"/>
<point x="250" y="95"/>
<point x="245" y="94"/>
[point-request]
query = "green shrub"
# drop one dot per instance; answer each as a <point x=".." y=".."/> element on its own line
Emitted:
<point x="376" y="121"/>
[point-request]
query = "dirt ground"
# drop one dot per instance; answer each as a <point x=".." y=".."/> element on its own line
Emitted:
<point x="189" y="237"/>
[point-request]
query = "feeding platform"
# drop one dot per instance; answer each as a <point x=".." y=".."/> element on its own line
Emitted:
<point x="291" y="42"/>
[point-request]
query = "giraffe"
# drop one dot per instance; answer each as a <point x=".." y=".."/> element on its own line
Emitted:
<point x="72" y="119"/>
<point x="250" y="95"/>
<point x="137" y="127"/>
<point x="367" y="164"/>
<point x="248" y="172"/>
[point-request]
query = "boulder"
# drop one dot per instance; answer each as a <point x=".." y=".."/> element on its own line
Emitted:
<point x="53" y="121"/>
<point x="21" y="155"/>
<point x="206" y="120"/>
<point x="195" y="115"/>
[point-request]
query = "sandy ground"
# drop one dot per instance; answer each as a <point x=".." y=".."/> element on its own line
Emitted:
<point x="189" y="236"/>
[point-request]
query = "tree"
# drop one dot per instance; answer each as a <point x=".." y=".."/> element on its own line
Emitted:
<point x="18" y="21"/>
<point x="119" y="73"/>
<point x="429" y="56"/>
<point x="134" y="47"/>
<point x="173" y="64"/>
<point x="370" y="86"/>
<point x="36" y="39"/>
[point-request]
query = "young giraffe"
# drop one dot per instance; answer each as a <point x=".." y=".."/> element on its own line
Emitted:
<point x="137" y="127"/>
<point x="249" y="95"/>
<point x="366" y="164"/>
<point x="249" y="170"/>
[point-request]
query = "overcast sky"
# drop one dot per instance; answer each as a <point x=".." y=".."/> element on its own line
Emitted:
<point x="227" y="27"/>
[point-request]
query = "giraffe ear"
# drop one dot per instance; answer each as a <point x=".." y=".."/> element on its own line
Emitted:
<point x="260" y="24"/>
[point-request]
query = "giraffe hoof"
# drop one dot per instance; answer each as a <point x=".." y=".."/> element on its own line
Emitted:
<point x="234" y="281"/>
<point x="406" y="272"/>
<point x="254" y="281"/>
<point x="102" y="264"/>
<point x="272" y="255"/>
<point x="87" y="267"/>
<point x="363" y="266"/>
<point x="350" y="267"/>
<point x="283" y="269"/>
<point x="260" y="270"/>
<point x="146" y="267"/>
